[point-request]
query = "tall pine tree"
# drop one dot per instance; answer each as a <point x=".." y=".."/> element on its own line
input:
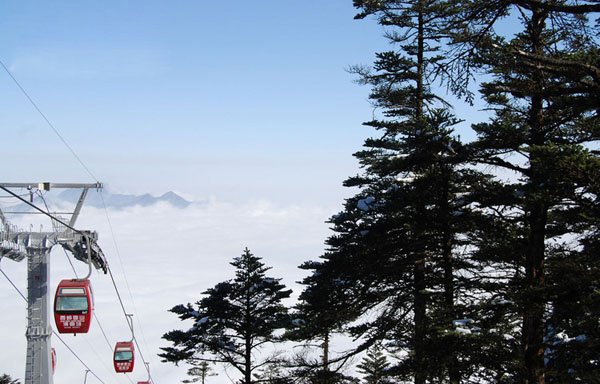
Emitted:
<point x="392" y="256"/>
<point x="545" y="119"/>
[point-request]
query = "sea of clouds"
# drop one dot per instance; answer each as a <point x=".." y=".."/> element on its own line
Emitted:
<point x="160" y="256"/>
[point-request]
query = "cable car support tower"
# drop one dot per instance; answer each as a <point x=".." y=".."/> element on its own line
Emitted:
<point x="17" y="245"/>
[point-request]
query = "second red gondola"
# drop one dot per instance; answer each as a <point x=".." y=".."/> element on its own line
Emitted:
<point x="124" y="356"/>
<point x="73" y="306"/>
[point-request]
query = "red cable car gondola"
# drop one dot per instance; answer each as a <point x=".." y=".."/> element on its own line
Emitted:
<point x="124" y="357"/>
<point x="73" y="306"/>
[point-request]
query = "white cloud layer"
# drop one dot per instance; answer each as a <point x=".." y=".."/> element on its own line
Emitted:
<point x="166" y="256"/>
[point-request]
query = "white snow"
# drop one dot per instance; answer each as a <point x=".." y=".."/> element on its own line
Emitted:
<point x="203" y="320"/>
<point x="365" y="204"/>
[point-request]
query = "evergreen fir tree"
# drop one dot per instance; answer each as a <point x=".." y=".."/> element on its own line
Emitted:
<point x="543" y="124"/>
<point x="233" y="320"/>
<point x="272" y="374"/>
<point x="6" y="379"/>
<point x="393" y="252"/>
<point x="319" y="314"/>
<point x="374" y="367"/>
<point x="199" y="371"/>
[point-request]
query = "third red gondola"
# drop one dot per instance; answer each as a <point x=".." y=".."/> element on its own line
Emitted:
<point x="124" y="356"/>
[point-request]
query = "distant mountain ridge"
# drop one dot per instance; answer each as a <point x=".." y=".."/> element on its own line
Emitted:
<point x="119" y="201"/>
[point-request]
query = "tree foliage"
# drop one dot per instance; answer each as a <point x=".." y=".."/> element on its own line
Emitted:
<point x="6" y="379"/>
<point x="233" y="320"/>
<point x="198" y="372"/>
<point x="545" y="116"/>
<point x="375" y="367"/>
<point x="395" y="242"/>
<point x="471" y="275"/>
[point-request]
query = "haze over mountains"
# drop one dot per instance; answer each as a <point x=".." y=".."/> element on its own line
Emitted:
<point x="116" y="200"/>
<point x="101" y="199"/>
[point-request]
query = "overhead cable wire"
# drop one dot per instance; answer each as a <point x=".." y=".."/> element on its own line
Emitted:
<point x="93" y="313"/>
<point x="70" y="262"/>
<point x="130" y="325"/>
<point x="42" y="211"/>
<point x="76" y="356"/>
<point x="13" y="284"/>
<point x="124" y="274"/>
<point x="54" y="225"/>
<point x="10" y="197"/>
<point x="102" y="330"/>
<point x="48" y="121"/>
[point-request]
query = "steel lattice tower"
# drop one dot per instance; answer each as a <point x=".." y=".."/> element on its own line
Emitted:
<point x="36" y="247"/>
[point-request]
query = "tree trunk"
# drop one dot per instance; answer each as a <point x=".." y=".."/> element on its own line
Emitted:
<point x="420" y="318"/>
<point x="536" y="211"/>
<point x="420" y="303"/>
<point x="248" y="362"/>
<point x="326" y="352"/>
<point x="448" y="263"/>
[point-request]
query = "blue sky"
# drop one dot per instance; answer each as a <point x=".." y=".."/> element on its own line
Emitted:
<point x="200" y="97"/>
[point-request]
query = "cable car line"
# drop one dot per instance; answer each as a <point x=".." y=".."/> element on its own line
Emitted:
<point x="126" y="283"/>
<point x="41" y="195"/>
<point x="130" y="325"/>
<point x="54" y="226"/>
<point x="94" y="314"/>
<point x="121" y="264"/>
<point x="101" y="329"/>
<point x="76" y="356"/>
<point x="74" y="154"/>
<point x="48" y="121"/>
<point x="13" y="284"/>
<point x="44" y="212"/>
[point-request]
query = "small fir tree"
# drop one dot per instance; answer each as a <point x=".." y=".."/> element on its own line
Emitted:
<point x="374" y="367"/>
<point x="199" y="371"/>
<point x="233" y="321"/>
<point x="6" y="379"/>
